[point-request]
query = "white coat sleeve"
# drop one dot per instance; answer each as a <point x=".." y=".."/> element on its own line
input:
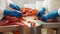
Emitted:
<point x="59" y="11"/>
<point x="7" y="4"/>
<point x="1" y="13"/>
<point x="45" y="4"/>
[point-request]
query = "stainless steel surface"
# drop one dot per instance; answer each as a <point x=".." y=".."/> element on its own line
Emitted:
<point x="31" y="30"/>
<point x="35" y="30"/>
<point x="21" y="30"/>
<point x="51" y="25"/>
<point x="8" y="28"/>
<point x="38" y="30"/>
<point x="58" y="31"/>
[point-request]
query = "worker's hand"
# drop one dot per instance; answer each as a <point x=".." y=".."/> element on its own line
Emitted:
<point x="50" y="15"/>
<point x="12" y="13"/>
<point x="13" y="6"/>
<point x="40" y="12"/>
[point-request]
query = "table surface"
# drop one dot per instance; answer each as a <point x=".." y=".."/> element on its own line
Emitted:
<point x="8" y="28"/>
<point x="51" y="25"/>
<point x="44" y="25"/>
<point x="16" y="27"/>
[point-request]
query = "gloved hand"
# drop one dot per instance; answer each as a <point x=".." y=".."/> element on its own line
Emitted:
<point x="16" y="7"/>
<point x="12" y="13"/>
<point x="50" y="15"/>
<point x="41" y="12"/>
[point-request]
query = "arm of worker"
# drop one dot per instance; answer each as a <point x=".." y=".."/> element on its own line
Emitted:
<point x="10" y="4"/>
<point x="5" y="12"/>
<point x="44" y="8"/>
<point x="40" y="12"/>
<point x="50" y="15"/>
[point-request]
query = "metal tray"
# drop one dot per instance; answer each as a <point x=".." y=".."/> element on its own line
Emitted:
<point x="8" y="28"/>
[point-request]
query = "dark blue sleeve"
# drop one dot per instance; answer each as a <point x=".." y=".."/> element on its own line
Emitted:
<point x="16" y="7"/>
<point x="40" y="12"/>
<point x="50" y="15"/>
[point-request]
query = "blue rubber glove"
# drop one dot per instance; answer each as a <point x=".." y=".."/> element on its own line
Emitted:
<point x="50" y="15"/>
<point x="12" y="13"/>
<point x="16" y="7"/>
<point x="41" y="12"/>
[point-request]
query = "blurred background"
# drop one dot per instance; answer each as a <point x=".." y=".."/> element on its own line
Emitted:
<point x="22" y="2"/>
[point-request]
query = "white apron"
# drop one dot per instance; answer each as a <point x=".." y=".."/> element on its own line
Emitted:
<point x="4" y="4"/>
